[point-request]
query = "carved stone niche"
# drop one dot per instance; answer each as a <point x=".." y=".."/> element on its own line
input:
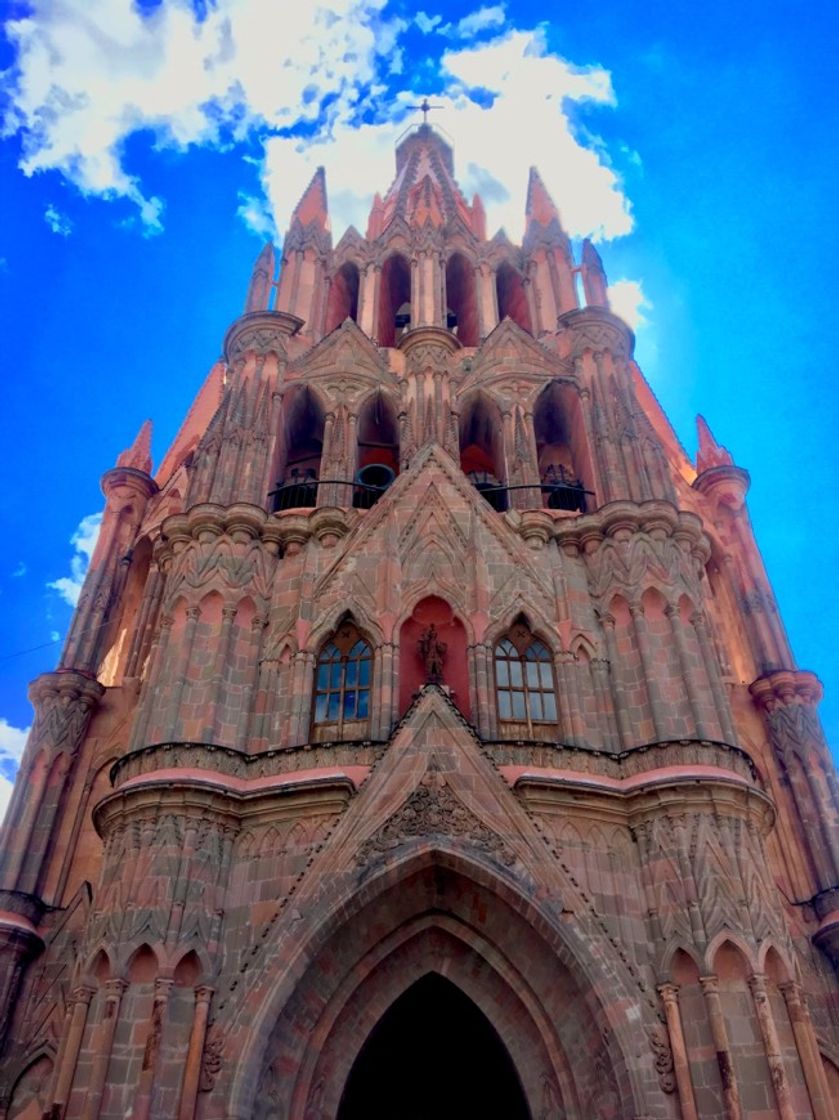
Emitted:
<point x="260" y="332"/>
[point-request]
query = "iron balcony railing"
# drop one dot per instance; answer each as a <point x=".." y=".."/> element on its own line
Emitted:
<point x="562" y="490"/>
<point x="302" y="493"/>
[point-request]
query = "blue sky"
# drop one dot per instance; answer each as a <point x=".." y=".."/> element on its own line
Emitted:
<point x="148" y="148"/>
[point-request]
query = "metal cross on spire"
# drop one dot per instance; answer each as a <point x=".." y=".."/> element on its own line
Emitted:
<point x="424" y="107"/>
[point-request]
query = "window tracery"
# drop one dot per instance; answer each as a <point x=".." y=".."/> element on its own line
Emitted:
<point x="524" y="678"/>
<point x="341" y="702"/>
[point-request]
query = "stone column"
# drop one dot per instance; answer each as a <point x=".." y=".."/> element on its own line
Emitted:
<point x="246" y="715"/>
<point x="619" y="700"/>
<point x="148" y="1071"/>
<point x="64" y="703"/>
<point x="771" y="1046"/>
<point x="712" y="671"/>
<point x="99" y="1073"/>
<point x="193" y="614"/>
<point x="147" y="706"/>
<point x="716" y="1020"/>
<point x="808" y="1051"/>
<point x="681" y="1066"/>
<point x="603" y="692"/>
<point x="145" y="622"/>
<point x="639" y="623"/>
<point x="80" y="1004"/>
<point x="194" y="1054"/>
<point x="688" y="676"/>
<point x="221" y="661"/>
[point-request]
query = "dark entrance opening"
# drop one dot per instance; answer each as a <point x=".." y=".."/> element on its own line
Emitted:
<point x="433" y="1056"/>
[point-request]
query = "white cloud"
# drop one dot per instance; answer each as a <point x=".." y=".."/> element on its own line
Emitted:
<point x="627" y="299"/>
<point x="83" y="541"/>
<point x="483" y="20"/>
<point x="59" y="223"/>
<point x="6" y="788"/>
<point x="257" y="216"/>
<point x="12" y="742"/>
<point x="20" y="570"/>
<point x="492" y="149"/>
<point x="427" y="23"/>
<point x="90" y="73"/>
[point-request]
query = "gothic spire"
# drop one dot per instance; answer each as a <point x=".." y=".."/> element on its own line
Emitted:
<point x="540" y="208"/>
<point x="594" y="277"/>
<point x="138" y="455"/>
<point x="710" y="453"/>
<point x="313" y="207"/>
<point x="262" y="277"/>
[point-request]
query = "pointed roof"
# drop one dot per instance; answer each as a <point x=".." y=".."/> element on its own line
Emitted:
<point x="424" y="188"/>
<point x="138" y="455"/>
<point x="710" y="453"/>
<point x="313" y="206"/>
<point x="540" y="207"/>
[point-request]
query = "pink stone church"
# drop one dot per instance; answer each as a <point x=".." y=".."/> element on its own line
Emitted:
<point x="426" y="744"/>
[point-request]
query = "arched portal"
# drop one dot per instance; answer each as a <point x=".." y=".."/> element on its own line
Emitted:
<point x="431" y="913"/>
<point x="433" y="1054"/>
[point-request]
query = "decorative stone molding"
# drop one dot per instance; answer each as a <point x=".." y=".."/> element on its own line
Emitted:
<point x="122" y="478"/>
<point x="726" y="484"/>
<point x="428" y="348"/>
<point x="432" y="810"/>
<point x="262" y="332"/>
<point x="64" y="702"/>
<point x="596" y="329"/>
<point x="236" y="764"/>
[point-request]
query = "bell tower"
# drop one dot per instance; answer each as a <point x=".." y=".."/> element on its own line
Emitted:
<point x="425" y="693"/>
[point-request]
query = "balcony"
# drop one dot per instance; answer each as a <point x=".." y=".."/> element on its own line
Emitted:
<point x="559" y="489"/>
<point x="299" y="489"/>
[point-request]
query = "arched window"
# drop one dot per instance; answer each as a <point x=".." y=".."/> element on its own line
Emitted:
<point x="462" y="310"/>
<point x="343" y="297"/>
<point x="378" y="451"/>
<point x="564" y="466"/>
<point x="524" y="678"/>
<point x="394" y="300"/>
<point x="482" y="450"/>
<point x="300" y="448"/>
<point x="342" y="685"/>
<point x="512" y="300"/>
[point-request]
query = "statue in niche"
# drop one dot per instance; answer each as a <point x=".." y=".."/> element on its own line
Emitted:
<point x="433" y="653"/>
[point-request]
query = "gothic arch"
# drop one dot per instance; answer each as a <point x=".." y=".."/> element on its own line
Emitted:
<point x="535" y="620"/>
<point x="332" y="619"/>
<point x="395" y="298"/>
<point x="564" y="457"/>
<point x="438" y="887"/>
<point x="481" y="439"/>
<point x="462" y="299"/>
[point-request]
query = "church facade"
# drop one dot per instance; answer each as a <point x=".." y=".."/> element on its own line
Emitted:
<point x="426" y="742"/>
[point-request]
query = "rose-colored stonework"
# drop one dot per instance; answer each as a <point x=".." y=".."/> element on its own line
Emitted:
<point x="429" y="702"/>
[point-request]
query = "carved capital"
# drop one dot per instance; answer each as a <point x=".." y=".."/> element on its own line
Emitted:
<point x="261" y="332"/>
<point x="64" y="702"/>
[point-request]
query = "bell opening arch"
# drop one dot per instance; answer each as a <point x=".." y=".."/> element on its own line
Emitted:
<point x="432" y="916"/>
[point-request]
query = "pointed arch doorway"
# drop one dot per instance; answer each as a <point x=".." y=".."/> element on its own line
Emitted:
<point x="433" y="1056"/>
